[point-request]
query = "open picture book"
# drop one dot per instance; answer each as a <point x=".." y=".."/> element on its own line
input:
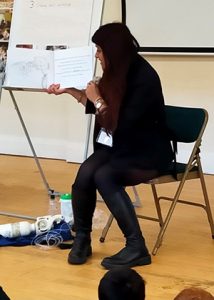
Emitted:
<point x="38" y="69"/>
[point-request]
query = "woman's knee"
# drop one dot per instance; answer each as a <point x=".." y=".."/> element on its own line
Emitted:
<point x="84" y="178"/>
<point x="105" y="180"/>
<point x="103" y="174"/>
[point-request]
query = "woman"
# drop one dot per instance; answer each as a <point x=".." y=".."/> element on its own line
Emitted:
<point x="131" y="143"/>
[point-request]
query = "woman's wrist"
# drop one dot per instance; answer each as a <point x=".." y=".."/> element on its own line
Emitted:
<point x="98" y="102"/>
<point x="100" y="105"/>
<point x="80" y="96"/>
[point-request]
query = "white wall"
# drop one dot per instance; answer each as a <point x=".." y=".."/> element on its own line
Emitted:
<point x="58" y="126"/>
<point x="189" y="81"/>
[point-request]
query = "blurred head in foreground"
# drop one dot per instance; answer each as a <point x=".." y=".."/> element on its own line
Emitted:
<point x="194" y="294"/>
<point x="121" y="283"/>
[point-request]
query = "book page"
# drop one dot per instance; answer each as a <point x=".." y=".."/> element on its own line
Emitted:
<point x="29" y="68"/>
<point x="73" y="67"/>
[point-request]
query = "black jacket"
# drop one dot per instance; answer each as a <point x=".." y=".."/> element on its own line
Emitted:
<point x="141" y="138"/>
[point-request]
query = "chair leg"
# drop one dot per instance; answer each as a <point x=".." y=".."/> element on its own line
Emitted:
<point x="157" y="204"/>
<point x="137" y="202"/>
<point x="206" y="199"/>
<point x="106" y="228"/>
<point x="167" y="218"/>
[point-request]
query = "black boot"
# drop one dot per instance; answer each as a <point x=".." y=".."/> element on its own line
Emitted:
<point x="80" y="251"/>
<point x="135" y="252"/>
<point x="83" y="204"/>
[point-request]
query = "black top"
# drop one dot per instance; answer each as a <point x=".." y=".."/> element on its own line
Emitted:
<point x="141" y="138"/>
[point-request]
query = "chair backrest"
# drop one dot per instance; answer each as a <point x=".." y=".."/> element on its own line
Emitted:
<point x="186" y="124"/>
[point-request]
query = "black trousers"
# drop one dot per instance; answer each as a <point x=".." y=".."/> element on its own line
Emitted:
<point x="98" y="173"/>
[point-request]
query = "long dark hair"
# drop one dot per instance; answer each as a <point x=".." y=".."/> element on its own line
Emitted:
<point x="119" y="49"/>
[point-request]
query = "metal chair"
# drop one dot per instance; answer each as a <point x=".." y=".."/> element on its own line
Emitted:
<point x="186" y="125"/>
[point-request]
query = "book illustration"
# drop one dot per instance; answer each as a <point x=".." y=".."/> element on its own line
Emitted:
<point x="27" y="69"/>
<point x="38" y="66"/>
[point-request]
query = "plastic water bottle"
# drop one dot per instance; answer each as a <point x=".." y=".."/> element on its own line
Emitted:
<point x="54" y="208"/>
<point x="66" y="208"/>
<point x="17" y="229"/>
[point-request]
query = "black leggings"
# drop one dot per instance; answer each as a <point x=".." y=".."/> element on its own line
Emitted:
<point x="97" y="173"/>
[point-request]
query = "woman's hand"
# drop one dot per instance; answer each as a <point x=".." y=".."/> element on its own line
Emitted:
<point x="79" y="95"/>
<point x="55" y="89"/>
<point x="92" y="91"/>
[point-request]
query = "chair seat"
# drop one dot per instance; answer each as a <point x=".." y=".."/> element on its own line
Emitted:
<point x="180" y="169"/>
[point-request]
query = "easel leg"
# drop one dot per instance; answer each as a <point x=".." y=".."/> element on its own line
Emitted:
<point x="88" y="136"/>
<point x="50" y="191"/>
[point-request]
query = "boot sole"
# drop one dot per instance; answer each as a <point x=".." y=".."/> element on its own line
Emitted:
<point x="76" y="260"/>
<point x="137" y="262"/>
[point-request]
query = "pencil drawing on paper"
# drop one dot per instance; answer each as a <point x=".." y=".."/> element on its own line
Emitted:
<point x="34" y="70"/>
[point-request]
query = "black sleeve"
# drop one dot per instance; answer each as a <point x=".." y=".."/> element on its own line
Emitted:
<point x="143" y="102"/>
<point x="89" y="108"/>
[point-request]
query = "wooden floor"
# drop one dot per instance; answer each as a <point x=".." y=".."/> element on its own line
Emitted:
<point x="186" y="257"/>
